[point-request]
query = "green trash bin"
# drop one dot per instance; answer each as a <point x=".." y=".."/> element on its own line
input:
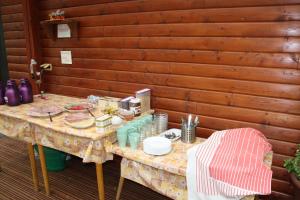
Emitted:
<point x="55" y="160"/>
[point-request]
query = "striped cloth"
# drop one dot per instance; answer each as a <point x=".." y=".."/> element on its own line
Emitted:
<point x="229" y="165"/>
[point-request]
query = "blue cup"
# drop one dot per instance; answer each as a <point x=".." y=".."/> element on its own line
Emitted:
<point x="122" y="136"/>
<point x="134" y="139"/>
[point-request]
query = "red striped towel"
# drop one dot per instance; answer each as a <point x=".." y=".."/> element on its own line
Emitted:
<point x="230" y="163"/>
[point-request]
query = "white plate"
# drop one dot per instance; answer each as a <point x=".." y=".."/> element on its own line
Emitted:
<point x="176" y="131"/>
<point x="157" y="146"/>
<point x="81" y="124"/>
<point x="34" y="111"/>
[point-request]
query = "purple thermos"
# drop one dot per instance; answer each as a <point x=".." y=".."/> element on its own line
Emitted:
<point x="25" y="90"/>
<point x="2" y="93"/>
<point x="12" y="96"/>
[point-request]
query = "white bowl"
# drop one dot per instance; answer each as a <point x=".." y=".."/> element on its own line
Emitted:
<point x="157" y="146"/>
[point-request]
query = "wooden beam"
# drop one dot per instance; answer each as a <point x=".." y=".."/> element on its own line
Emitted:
<point x="32" y="36"/>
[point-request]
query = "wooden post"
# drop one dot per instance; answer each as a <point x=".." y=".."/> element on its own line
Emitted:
<point x="120" y="187"/>
<point x="32" y="36"/>
<point x="100" y="182"/>
<point x="44" y="169"/>
<point x="33" y="167"/>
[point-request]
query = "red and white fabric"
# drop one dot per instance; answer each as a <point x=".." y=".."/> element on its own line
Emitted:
<point x="229" y="165"/>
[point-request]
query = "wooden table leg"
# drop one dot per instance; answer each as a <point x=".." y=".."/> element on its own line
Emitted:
<point x="44" y="169"/>
<point x="120" y="187"/>
<point x="33" y="167"/>
<point x="100" y="182"/>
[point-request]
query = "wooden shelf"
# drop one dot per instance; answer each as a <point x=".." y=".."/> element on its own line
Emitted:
<point x="50" y="27"/>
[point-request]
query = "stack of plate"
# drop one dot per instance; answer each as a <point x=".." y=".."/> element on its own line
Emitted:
<point x="157" y="146"/>
<point x="161" y="120"/>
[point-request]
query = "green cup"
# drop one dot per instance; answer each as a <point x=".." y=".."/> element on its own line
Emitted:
<point x="134" y="139"/>
<point x="122" y="136"/>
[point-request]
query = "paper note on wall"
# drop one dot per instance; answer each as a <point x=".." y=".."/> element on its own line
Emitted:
<point x="66" y="57"/>
<point x="63" y="31"/>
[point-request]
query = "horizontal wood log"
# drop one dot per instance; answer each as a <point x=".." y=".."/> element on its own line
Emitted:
<point x="11" y="9"/>
<point x="272" y="45"/>
<point x="157" y="5"/>
<point x="282" y="186"/>
<point x="56" y="4"/>
<point x="15" y="43"/>
<point x="9" y="35"/>
<point x="280" y="195"/>
<point x="282" y="60"/>
<point x="10" y="18"/>
<point x="280" y="173"/>
<point x="17" y="59"/>
<point x="16" y="51"/>
<point x="18" y="75"/>
<point x="14" y="26"/>
<point x="18" y="67"/>
<point x="241" y="14"/>
<point x="271" y="29"/>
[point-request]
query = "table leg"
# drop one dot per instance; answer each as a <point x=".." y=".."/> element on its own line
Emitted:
<point x="100" y="182"/>
<point x="120" y="187"/>
<point x="44" y="169"/>
<point x="33" y="167"/>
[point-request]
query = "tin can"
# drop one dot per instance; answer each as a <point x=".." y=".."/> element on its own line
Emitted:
<point x="135" y="106"/>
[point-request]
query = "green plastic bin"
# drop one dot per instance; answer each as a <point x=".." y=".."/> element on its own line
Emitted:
<point x="55" y="160"/>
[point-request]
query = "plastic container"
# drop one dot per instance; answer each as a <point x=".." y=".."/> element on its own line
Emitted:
<point x="55" y="160"/>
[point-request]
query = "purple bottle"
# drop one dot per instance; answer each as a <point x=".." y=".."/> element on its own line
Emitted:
<point x="12" y="96"/>
<point x="25" y="90"/>
<point x="2" y="93"/>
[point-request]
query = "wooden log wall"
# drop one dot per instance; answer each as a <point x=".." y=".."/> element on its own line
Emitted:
<point x="13" y="24"/>
<point x="234" y="63"/>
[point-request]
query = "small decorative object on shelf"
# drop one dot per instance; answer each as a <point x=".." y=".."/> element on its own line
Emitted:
<point x="57" y="15"/>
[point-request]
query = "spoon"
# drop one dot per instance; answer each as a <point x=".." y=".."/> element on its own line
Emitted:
<point x="50" y="117"/>
<point x="91" y="113"/>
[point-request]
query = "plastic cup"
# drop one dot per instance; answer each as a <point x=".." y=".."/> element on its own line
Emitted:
<point x="122" y="135"/>
<point x="134" y="139"/>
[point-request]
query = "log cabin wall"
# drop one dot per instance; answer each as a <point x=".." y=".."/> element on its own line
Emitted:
<point x="13" y="24"/>
<point x="235" y="63"/>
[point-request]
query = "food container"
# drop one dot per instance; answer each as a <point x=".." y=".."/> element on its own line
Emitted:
<point x="103" y="124"/>
<point x="124" y="103"/>
<point x="135" y="106"/>
<point x="145" y="97"/>
<point x="108" y="102"/>
<point x="161" y="120"/>
<point x="126" y="114"/>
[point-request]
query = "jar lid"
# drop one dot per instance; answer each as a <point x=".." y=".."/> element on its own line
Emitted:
<point x="135" y="100"/>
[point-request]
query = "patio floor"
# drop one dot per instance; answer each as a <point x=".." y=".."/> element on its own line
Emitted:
<point x="76" y="182"/>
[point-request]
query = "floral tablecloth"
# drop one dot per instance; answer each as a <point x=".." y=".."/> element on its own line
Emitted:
<point x="84" y="143"/>
<point x="164" y="174"/>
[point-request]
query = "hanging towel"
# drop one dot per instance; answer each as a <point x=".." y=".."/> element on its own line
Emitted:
<point x="229" y="165"/>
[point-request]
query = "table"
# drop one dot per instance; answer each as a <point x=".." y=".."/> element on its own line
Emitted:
<point x="163" y="174"/>
<point x="84" y="143"/>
